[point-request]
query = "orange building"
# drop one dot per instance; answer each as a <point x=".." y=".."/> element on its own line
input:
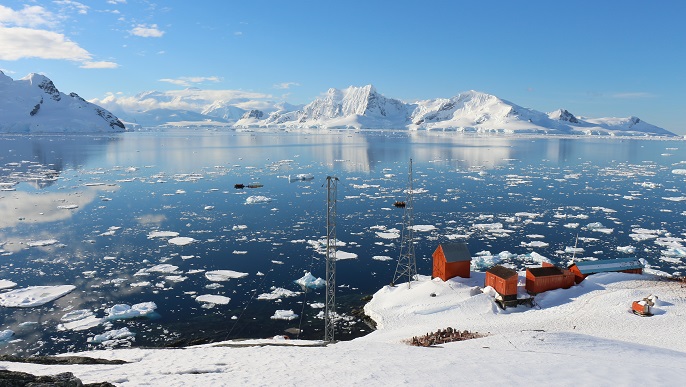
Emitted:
<point x="451" y="260"/>
<point x="503" y="280"/>
<point x="548" y="277"/>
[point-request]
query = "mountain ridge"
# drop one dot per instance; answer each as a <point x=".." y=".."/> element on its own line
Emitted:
<point x="33" y="104"/>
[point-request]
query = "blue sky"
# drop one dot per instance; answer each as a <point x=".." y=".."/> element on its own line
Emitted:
<point x="594" y="58"/>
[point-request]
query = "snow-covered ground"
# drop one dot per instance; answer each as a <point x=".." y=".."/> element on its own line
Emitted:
<point x="585" y="335"/>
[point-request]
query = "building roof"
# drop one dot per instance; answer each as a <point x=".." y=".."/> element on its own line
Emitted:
<point x="544" y="271"/>
<point x="456" y="252"/>
<point x="502" y="272"/>
<point x="607" y="265"/>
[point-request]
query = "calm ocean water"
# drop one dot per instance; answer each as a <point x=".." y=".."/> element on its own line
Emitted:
<point x="98" y="199"/>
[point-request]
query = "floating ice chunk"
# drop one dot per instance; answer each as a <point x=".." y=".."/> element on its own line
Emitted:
<point x="277" y="293"/>
<point x="124" y="311"/>
<point x="181" y="241"/>
<point x="45" y="242"/>
<point x="576" y="250"/>
<point x="679" y="171"/>
<point x="317" y="305"/>
<point x="163" y="234"/>
<point x="180" y="192"/>
<point x="423" y="227"/>
<point x="213" y="299"/>
<point x="223" y="275"/>
<point x="388" y="235"/>
<point x="535" y="244"/>
<point x="382" y="258"/>
<point x="257" y="199"/>
<point x="675" y="199"/>
<point x="162" y="268"/>
<point x="342" y="255"/>
<point x="284" y="315"/>
<point x="68" y="207"/>
<point x="76" y="315"/>
<point x="209" y="208"/>
<point x="6" y="284"/>
<point x="572" y="225"/>
<point x="301" y="177"/>
<point x="626" y="249"/>
<point x="33" y="296"/>
<point x="239" y="227"/>
<point x="82" y="324"/>
<point x="597" y="226"/>
<point x="309" y="281"/>
<point x="116" y="334"/>
<point x="6" y="335"/>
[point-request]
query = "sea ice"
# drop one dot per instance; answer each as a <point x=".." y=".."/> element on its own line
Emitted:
<point x="223" y="275"/>
<point x="257" y="199"/>
<point x="116" y="334"/>
<point x="124" y="311"/>
<point x="162" y="268"/>
<point x="284" y="315"/>
<point x="382" y="258"/>
<point x="423" y="227"/>
<point x="213" y="299"/>
<point x="163" y="234"/>
<point x="33" y="296"/>
<point x="45" y="242"/>
<point x="309" y="281"/>
<point x="6" y="335"/>
<point x="6" y="284"/>
<point x="68" y="207"/>
<point x="181" y="241"/>
<point x="277" y="293"/>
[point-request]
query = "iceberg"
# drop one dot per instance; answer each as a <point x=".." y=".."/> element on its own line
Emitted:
<point x="124" y="311"/>
<point x="33" y="296"/>
<point x="309" y="281"/>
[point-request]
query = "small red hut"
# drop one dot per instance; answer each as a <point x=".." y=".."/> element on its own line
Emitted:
<point x="548" y="277"/>
<point x="503" y="280"/>
<point x="451" y="260"/>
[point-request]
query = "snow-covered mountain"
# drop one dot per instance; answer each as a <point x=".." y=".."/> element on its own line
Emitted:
<point x="34" y="105"/>
<point x="472" y="111"/>
<point x="363" y="108"/>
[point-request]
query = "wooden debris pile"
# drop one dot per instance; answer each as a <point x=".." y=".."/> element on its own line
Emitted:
<point x="443" y="336"/>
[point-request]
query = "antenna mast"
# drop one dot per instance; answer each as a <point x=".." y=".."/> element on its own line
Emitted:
<point x="330" y="310"/>
<point x="407" y="264"/>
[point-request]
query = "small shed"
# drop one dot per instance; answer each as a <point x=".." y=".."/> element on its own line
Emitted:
<point x="541" y="279"/>
<point x="583" y="269"/>
<point x="503" y="280"/>
<point x="451" y="260"/>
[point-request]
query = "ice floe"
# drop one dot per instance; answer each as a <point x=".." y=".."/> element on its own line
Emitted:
<point x="284" y="315"/>
<point x="223" y="275"/>
<point x="33" y="296"/>
<point x="213" y="299"/>
<point x="125" y="311"/>
<point x="257" y="199"/>
<point x="163" y="234"/>
<point x="44" y="242"/>
<point x="6" y="284"/>
<point x="181" y="241"/>
<point x="310" y="281"/>
<point x="277" y="293"/>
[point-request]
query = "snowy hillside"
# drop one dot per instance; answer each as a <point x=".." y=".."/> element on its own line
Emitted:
<point x="34" y="105"/>
<point x="585" y="335"/>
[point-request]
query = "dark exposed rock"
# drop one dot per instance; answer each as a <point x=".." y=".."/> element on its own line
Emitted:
<point x="52" y="360"/>
<point x="21" y="379"/>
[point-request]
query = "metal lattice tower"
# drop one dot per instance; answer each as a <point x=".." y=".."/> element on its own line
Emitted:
<point x="407" y="264"/>
<point x="330" y="310"/>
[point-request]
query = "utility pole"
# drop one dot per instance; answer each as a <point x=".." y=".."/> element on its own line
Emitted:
<point x="330" y="310"/>
<point x="407" y="264"/>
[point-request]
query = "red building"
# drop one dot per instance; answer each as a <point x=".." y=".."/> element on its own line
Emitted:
<point x="622" y="265"/>
<point x="451" y="260"/>
<point x="503" y="280"/>
<point x="548" y="277"/>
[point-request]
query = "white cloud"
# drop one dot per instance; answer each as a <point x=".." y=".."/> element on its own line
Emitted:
<point x="99" y="65"/>
<point x="633" y="95"/>
<point x="116" y="2"/>
<point x="188" y="99"/>
<point x="18" y="42"/>
<point x="285" y="85"/>
<point x="188" y="81"/>
<point x="73" y="5"/>
<point x="145" y="31"/>
<point x="30" y="16"/>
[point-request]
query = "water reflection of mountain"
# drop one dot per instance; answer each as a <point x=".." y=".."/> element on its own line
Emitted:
<point x="39" y="160"/>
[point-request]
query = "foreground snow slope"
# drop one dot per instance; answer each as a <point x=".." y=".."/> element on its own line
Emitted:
<point x="34" y="105"/>
<point x="581" y="336"/>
